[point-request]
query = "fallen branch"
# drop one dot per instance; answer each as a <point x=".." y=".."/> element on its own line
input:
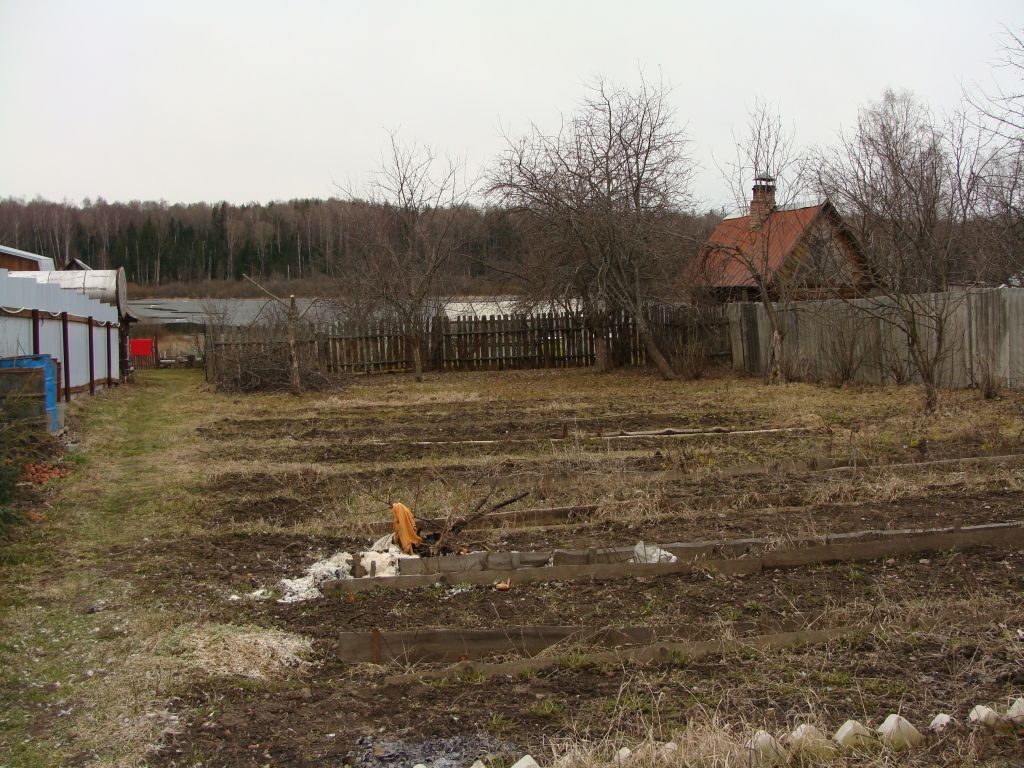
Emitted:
<point x="454" y="525"/>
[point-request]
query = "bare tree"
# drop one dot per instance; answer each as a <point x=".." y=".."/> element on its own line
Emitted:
<point x="600" y="194"/>
<point x="1000" y="114"/>
<point x="907" y="185"/>
<point x="767" y="162"/>
<point x="1003" y="105"/>
<point x="409" y="236"/>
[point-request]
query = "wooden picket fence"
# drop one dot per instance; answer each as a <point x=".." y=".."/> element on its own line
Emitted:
<point x="468" y="343"/>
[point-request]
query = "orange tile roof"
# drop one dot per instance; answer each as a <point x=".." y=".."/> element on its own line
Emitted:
<point x="722" y="267"/>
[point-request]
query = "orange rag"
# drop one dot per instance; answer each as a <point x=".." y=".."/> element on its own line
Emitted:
<point x="405" y="527"/>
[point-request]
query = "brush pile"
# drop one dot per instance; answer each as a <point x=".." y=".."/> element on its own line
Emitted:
<point x="265" y="367"/>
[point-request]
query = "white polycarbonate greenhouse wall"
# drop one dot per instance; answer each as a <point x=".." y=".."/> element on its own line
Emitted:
<point x="81" y="333"/>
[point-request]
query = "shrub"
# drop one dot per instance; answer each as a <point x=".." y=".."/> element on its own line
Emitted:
<point x="989" y="380"/>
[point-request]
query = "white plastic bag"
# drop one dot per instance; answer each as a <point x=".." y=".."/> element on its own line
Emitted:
<point x="651" y="553"/>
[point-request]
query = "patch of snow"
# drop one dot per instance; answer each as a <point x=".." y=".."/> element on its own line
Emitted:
<point x="337" y="566"/>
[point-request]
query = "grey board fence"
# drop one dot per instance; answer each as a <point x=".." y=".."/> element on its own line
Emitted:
<point x="476" y="343"/>
<point x="857" y="340"/>
<point x="863" y="340"/>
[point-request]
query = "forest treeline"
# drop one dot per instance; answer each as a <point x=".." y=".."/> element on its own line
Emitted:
<point x="161" y="244"/>
<point x="158" y="243"/>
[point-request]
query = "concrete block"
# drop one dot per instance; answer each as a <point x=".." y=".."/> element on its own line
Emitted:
<point x="899" y="734"/>
<point x="526" y="761"/>
<point x="765" y="749"/>
<point x="1015" y="714"/>
<point x="985" y="717"/>
<point x="623" y="755"/>
<point x="808" y="740"/>
<point x="940" y="722"/>
<point x="853" y="734"/>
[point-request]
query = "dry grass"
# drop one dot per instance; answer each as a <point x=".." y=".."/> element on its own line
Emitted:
<point x="226" y="650"/>
<point x="645" y="712"/>
<point x="711" y="742"/>
<point x="890" y="486"/>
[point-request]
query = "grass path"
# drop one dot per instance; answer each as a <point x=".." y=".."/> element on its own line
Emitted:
<point x="81" y="675"/>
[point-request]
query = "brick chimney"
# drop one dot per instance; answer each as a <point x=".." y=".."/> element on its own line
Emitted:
<point x="762" y="202"/>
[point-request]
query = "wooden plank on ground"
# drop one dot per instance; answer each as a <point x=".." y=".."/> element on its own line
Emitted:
<point x="518" y="572"/>
<point x="647" y="654"/>
<point x="551" y="573"/>
<point x="451" y="645"/>
<point x="889" y="545"/>
<point x="807" y="547"/>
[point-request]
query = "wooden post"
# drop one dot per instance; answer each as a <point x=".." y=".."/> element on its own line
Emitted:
<point x="66" y="347"/>
<point x="92" y="358"/>
<point x="110" y="368"/>
<point x="293" y="355"/>
<point x="36" y="321"/>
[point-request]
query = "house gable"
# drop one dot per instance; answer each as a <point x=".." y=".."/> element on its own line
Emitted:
<point x="825" y="259"/>
<point x="808" y="250"/>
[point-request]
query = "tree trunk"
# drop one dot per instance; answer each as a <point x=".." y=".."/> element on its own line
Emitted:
<point x="602" y="363"/>
<point x="776" y="370"/>
<point x="417" y="357"/>
<point x="931" y="397"/>
<point x="644" y="330"/>
<point x="594" y="322"/>
<point x="924" y="364"/>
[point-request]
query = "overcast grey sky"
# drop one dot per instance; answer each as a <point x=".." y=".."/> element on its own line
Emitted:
<point x="255" y="101"/>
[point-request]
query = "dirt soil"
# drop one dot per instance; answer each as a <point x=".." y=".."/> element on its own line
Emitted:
<point x="695" y="606"/>
<point x="177" y="512"/>
<point x="772" y="522"/>
<point x="474" y="421"/>
<point x="324" y="720"/>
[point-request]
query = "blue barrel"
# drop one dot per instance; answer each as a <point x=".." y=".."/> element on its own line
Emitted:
<point x="49" y="393"/>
